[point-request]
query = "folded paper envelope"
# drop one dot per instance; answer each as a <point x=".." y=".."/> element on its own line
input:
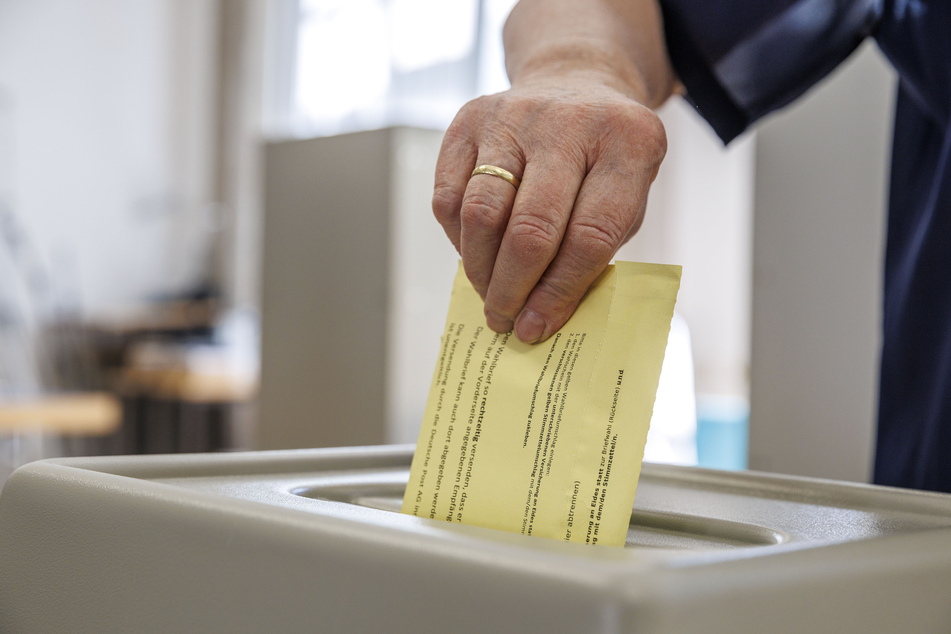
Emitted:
<point x="545" y="439"/>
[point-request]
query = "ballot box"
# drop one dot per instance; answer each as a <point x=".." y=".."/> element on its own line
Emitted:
<point x="312" y="541"/>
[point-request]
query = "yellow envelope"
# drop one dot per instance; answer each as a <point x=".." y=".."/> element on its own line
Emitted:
<point x="545" y="439"/>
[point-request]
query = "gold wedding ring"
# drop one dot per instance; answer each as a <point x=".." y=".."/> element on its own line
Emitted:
<point x="492" y="170"/>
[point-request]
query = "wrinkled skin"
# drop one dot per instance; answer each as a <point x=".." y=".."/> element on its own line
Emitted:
<point x="586" y="149"/>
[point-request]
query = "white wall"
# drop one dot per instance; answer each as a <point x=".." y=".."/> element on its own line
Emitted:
<point x="109" y="104"/>
<point x="699" y="216"/>
<point x="820" y="185"/>
<point x="356" y="282"/>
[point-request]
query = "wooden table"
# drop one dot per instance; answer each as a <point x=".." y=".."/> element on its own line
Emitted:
<point x="79" y="413"/>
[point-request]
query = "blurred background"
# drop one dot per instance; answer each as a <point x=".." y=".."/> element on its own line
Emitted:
<point x="215" y="234"/>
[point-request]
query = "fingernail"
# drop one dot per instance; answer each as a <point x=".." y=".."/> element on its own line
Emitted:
<point x="529" y="327"/>
<point x="497" y="322"/>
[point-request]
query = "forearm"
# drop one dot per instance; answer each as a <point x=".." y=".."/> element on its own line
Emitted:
<point x="619" y="42"/>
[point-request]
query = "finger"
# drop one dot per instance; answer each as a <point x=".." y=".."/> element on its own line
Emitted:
<point x="457" y="158"/>
<point x="534" y="232"/>
<point x="610" y="204"/>
<point x="486" y="207"/>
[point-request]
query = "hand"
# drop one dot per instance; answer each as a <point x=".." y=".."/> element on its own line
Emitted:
<point x="586" y="153"/>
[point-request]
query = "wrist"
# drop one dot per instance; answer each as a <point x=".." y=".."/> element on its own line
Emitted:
<point x="572" y="63"/>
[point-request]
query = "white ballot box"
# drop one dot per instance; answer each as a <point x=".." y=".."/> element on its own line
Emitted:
<point x="311" y="541"/>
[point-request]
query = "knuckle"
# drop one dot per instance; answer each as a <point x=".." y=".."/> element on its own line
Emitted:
<point x="461" y="124"/>
<point x="482" y="211"/>
<point x="596" y="242"/>
<point x="636" y="132"/>
<point x="534" y="235"/>
<point x="446" y="203"/>
<point x="652" y="136"/>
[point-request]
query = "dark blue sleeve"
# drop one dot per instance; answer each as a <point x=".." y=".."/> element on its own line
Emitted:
<point x="915" y="35"/>
<point x="741" y="59"/>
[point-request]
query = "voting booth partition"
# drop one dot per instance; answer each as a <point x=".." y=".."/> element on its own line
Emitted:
<point x="312" y="540"/>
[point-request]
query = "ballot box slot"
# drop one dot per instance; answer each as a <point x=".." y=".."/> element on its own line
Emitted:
<point x="648" y="528"/>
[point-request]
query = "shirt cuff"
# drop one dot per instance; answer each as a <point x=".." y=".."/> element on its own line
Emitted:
<point x="737" y="72"/>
